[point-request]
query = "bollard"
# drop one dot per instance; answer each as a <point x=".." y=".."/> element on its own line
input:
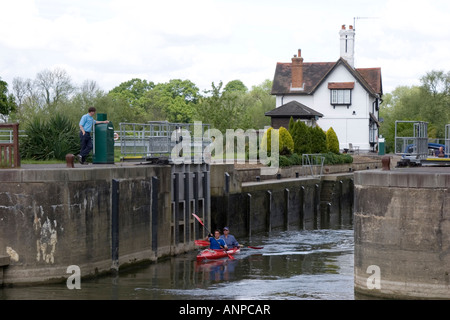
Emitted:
<point x="69" y="160"/>
<point x="386" y="162"/>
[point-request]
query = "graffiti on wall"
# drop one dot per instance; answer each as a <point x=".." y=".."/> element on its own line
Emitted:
<point x="47" y="237"/>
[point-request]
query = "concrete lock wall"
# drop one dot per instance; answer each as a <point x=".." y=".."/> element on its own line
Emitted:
<point x="105" y="218"/>
<point x="294" y="202"/>
<point x="402" y="234"/>
<point x="190" y="193"/>
<point x="51" y="219"/>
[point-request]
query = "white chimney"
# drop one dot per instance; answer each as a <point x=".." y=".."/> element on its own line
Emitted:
<point x="348" y="44"/>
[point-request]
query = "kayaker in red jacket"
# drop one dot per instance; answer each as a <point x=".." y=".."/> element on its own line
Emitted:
<point x="216" y="242"/>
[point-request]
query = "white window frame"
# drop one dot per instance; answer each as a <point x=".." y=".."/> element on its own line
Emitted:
<point x="341" y="97"/>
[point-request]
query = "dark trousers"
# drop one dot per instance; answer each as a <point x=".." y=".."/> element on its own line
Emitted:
<point x="86" y="145"/>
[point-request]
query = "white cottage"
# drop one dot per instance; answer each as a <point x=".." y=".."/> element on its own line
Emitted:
<point x="347" y="97"/>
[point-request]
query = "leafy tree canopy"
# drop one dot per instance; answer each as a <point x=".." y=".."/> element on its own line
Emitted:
<point x="235" y="86"/>
<point x="132" y="90"/>
<point x="7" y="103"/>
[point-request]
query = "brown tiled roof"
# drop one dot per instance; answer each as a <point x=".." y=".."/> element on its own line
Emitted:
<point x="314" y="73"/>
<point x="373" y="78"/>
<point x="294" y="109"/>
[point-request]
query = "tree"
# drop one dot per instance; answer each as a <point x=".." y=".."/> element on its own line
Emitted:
<point x="21" y="89"/>
<point x="235" y="86"/>
<point x="291" y="125"/>
<point x="7" y="103"/>
<point x="89" y="94"/>
<point x="179" y="111"/>
<point x="133" y="94"/>
<point x="43" y="96"/>
<point x="258" y="103"/>
<point x="26" y="98"/>
<point x="286" y="144"/>
<point x="436" y="82"/>
<point x="185" y="89"/>
<point x="222" y="110"/>
<point x="332" y="141"/>
<point x="301" y="136"/>
<point x="118" y="110"/>
<point x="54" y="86"/>
<point x="173" y="101"/>
<point x="435" y="99"/>
<point x="318" y="140"/>
<point x="266" y="141"/>
<point x="132" y="90"/>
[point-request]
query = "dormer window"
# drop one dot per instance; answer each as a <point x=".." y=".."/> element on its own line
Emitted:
<point x="341" y="93"/>
<point x="343" y="96"/>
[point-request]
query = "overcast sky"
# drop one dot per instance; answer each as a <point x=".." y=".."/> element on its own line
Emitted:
<point x="209" y="41"/>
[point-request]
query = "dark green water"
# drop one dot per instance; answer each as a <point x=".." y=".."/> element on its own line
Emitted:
<point x="300" y="264"/>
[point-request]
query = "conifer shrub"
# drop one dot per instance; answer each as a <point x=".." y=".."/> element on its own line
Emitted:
<point x="318" y="140"/>
<point x="308" y="140"/>
<point x="291" y="125"/>
<point x="285" y="142"/>
<point x="332" y="141"/>
<point x="301" y="136"/>
<point x="266" y="141"/>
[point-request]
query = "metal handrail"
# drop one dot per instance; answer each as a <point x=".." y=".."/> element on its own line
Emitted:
<point x="416" y="141"/>
<point x="311" y="161"/>
<point x="161" y="138"/>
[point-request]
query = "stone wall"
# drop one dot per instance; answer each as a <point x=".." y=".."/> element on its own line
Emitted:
<point x="249" y="206"/>
<point x="102" y="218"/>
<point x="53" y="218"/>
<point x="402" y="233"/>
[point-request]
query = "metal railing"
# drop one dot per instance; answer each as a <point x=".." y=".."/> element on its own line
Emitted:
<point x="411" y="139"/>
<point x="183" y="141"/>
<point x="7" y="135"/>
<point x="312" y="164"/>
<point x="447" y="140"/>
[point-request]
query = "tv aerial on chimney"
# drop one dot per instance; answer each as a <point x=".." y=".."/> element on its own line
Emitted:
<point x="357" y="18"/>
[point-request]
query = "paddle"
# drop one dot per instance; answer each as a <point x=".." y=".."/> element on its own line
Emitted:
<point x="255" y="247"/>
<point x="201" y="222"/>
<point x="202" y="243"/>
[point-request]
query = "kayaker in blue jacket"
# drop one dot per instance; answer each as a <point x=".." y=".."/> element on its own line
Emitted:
<point x="229" y="239"/>
<point x="216" y="242"/>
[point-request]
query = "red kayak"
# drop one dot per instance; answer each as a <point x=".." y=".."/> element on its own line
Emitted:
<point x="205" y="243"/>
<point x="210" y="254"/>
